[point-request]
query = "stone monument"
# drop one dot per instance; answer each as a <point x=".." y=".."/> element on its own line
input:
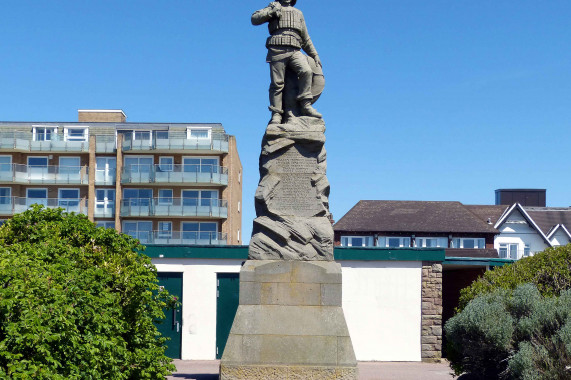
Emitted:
<point x="290" y="322"/>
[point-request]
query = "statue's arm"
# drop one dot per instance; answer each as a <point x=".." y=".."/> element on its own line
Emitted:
<point x="306" y="43"/>
<point x="266" y="14"/>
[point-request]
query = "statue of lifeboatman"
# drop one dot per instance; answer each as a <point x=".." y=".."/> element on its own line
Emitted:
<point x="288" y="36"/>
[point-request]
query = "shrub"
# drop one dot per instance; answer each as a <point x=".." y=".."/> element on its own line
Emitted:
<point x="515" y="334"/>
<point x="77" y="301"/>
<point x="549" y="270"/>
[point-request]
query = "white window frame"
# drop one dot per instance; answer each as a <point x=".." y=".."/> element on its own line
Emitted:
<point x="401" y="241"/>
<point x="163" y="234"/>
<point x="35" y="134"/>
<point x="420" y="242"/>
<point x="85" y="134"/>
<point x="189" y="132"/>
<point x="46" y="157"/>
<point x="476" y="243"/>
<point x="161" y="164"/>
<point x="10" y="193"/>
<point x="508" y="247"/>
<point x="200" y="194"/>
<point x="107" y="204"/>
<point x="137" y="221"/>
<point x="36" y="188"/>
<point x="138" y="157"/>
<point x="347" y="241"/>
<point x="163" y="200"/>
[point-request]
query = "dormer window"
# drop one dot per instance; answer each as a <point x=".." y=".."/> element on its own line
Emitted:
<point x="75" y="134"/>
<point x="44" y="133"/>
<point x="199" y="133"/>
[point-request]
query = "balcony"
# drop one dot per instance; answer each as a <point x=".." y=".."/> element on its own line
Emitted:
<point x="29" y="142"/>
<point x="180" y="237"/>
<point x="16" y="205"/>
<point x="105" y="177"/>
<point x="175" y="207"/>
<point x="176" y="174"/>
<point x="50" y="174"/>
<point x="176" y="142"/>
<point x="104" y="211"/>
<point x="105" y="143"/>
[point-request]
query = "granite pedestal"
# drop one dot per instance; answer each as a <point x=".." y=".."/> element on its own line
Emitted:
<point x="289" y="324"/>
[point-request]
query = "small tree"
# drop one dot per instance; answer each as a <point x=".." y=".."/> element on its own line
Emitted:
<point x="77" y="301"/>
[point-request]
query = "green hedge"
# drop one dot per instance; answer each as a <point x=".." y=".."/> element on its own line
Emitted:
<point x="77" y="301"/>
<point x="549" y="270"/>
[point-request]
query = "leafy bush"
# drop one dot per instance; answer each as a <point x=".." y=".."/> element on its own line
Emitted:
<point x="549" y="270"/>
<point x="515" y="334"/>
<point x="77" y="301"/>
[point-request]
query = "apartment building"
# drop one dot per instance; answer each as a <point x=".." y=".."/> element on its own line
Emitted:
<point x="163" y="183"/>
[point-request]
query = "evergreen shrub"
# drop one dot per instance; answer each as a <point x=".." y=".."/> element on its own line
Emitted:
<point x="77" y="301"/>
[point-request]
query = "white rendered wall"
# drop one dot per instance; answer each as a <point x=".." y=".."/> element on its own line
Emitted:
<point x="199" y="302"/>
<point x="382" y="305"/>
<point x="381" y="301"/>
<point x="516" y="230"/>
<point x="560" y="238"/>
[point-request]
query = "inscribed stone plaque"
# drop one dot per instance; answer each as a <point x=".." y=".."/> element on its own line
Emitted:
<point x="295" y="194"/>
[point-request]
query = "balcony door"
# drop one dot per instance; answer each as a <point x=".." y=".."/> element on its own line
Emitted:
<point x="69" y="169"/>
<point x="69" y="200"/>
<point x="105" y="202"/>
<point x="5" y="200"/>
<point x="6" y="173"/>
<point x="37" y="168"/>
<point x="138" y="168"/>
<point x="36" y="196"/>
<point x="105" y="169"/>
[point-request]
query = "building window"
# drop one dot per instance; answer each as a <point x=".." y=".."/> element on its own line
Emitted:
<point x="166" y="164"/>
<point x="198" y="133"/>
<point x="68" y="198"/>
<point x="200" y="198"/>
<point x="104" y="198"/>
<point x="200" y="165"/>
<point x="137" y="197"/>
<point x="238" y="235"/>
<point x="35" y="193"/>
<point x="106" y="224"/>
<point x="357" y="241"/>
<point x="165" y="196"/>
<point x="162" y="135"/>
<point x="136" y="164"/>
<point x="397" y="242"/>
<point x="44" y="133"/>
<point x="200" y="232"/>
<point x="526" y="250"/>
<point x="37" y="162"/>
<point x="69" y="165"/>
<point x="468" y="243"/>
<point x="165" y="230"/>
<point x="5" y="164"/>
<point x="429" y="242"/>
<point x="5" y="196"/>
<point x="141" y="230"/>
<point x="238" y="206"/>
<point x="509" y="251"/>
<point x="75" y="134"/>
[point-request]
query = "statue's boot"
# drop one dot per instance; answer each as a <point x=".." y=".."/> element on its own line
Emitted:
<point x="308" y="110"/>
<point x="276" y="118"/>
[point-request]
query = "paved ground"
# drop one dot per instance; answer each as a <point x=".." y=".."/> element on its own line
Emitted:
<point x="208" y="370"/>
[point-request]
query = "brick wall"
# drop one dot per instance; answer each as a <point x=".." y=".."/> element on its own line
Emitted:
<point x="431" y="334"/>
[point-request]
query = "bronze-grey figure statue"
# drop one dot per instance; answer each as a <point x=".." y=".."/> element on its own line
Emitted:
<point x="288" y="35"/>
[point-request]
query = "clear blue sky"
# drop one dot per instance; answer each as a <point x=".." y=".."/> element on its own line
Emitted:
<point x="425" y="100"/>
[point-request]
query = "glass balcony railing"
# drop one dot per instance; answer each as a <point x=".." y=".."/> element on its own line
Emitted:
<point x="51" y="174"/>
<point x="15" y="205"/>
<point x="51" y="142"/>
<point x="105" y="177"/>
<point x="104" y="211"/>
<point x="105" y="143"/>
<point x="217" y="142"/>
<point x="199" y="174"/>
<point x="175" y="207"/>
<point x="179" y="237"/>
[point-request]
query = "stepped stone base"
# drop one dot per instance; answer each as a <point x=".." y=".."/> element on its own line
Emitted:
<point x="289" y="324"/>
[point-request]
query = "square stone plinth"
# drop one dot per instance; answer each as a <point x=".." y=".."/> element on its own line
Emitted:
<point x="289" y="324"/>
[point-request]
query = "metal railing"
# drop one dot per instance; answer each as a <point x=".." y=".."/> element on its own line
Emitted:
<point x="104" y="211"/>
<point x="162" y="173"/>
<point x="179" y="207"/>
<point x="105" y="177"/>
<point x="50" y="174"/>
<point x="15" y="205"/>
<point x="52" y="142"/>
<point x="179" y="237"/>
<point x="175" y="141"/>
